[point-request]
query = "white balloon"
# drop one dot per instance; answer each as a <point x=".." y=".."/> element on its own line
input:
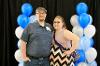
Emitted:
<point x="18" y="32"/>
<point x="94" y="63"/>
<point x="33" y="18"/>
<point x="78" y="31"/>
<point x="82" y="64"/>
<point x="89" y="31"/>
<point x="21" y="63"/>
<point x="74" y="20"/>
<point x="91" y="20"/>
<point x="84" y="43"/>
<point x="19" y="44"/>
<point x="18" y="56"/>
<point x="91" y="54"/>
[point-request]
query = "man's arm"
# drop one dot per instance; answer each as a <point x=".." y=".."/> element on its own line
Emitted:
<point x="23" y="51"/>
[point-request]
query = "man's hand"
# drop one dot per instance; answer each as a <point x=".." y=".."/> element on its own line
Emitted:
<point x="26" y="59"/>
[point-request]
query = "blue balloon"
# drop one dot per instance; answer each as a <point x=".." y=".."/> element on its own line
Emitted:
<point x="84" y="20"/>
<point x="81" y="8"/>
<point x="92" y="42"/>
<point x="85" y="43"/>
<point x="75" y="63"/>
<point x="26" y="9"/>
<point x="23" y="21"/>
<point x="81" y="56"/>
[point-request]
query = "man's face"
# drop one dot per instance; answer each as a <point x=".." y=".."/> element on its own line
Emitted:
<point x="41" y="15"/>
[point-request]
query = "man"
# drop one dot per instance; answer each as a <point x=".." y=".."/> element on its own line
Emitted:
<point x="36" y="41"/>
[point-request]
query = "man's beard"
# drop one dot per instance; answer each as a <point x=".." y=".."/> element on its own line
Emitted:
<point x="41" y="20"/>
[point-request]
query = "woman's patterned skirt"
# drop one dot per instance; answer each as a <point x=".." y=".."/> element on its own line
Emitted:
<point x="58" y="58"/>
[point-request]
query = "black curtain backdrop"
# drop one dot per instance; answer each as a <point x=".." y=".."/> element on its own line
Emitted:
<point x="10" y="9"/>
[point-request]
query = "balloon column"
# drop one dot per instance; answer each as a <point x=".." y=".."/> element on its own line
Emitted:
<point x="82" y="27"/>
<point x="23" y="20"/>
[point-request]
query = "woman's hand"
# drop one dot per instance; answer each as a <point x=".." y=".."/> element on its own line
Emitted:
<point x="68" y="52"/>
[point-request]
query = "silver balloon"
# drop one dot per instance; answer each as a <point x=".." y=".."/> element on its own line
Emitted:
<point x="91" y="54"/>
<point x="18" y="56"/>
<point x="89" y="31"/>
<point x="74" y="20"/>
<point x="33" y="18"/>
<point x="18" y="32"/>
<point x="94" y="63"/>
<point x="84" y="43"/>
<point x="19" y="44"/>
<point x="82" y="64"/>
<point x="21" y="63"/>
<point x="91" y="20"/>
<point x="78" y="31"/>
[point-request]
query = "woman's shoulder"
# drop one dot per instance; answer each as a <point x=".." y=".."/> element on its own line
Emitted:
<point x="68" y="32"/>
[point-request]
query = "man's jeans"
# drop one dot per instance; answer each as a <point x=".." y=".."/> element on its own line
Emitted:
<point x="37" y="62"/>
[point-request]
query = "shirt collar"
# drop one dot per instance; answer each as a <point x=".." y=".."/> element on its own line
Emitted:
<point x="40" y="25"/>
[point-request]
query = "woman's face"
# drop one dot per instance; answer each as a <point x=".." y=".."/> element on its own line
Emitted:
<point x="57" y="24"/>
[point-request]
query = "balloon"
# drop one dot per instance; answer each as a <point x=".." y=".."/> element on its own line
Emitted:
<point x="89" y="31"/>
<point x="18" y="32"/>
<point x="18" y="56"/>
<point x="91" y="54"/>
<point x="21" y="63"/>
<point x="33" y="18"/>
<point x="81" y="56"/>
<point x="81" y="8"/>
<point x="82" y="64"/>
<point x="26" y="9"/>
<point x="91" y="20"/>
<point x="84" y="20"/>
<point x="78" y="31"/>
<point x="74" y="20"/>
<point x="19" y="44"/>
<point x="23" y="20"/>
<point x="94" y="63"/>
<point x="76" y="64"/>
<point x="84" y="43"/>
<point x="92" y="42"/>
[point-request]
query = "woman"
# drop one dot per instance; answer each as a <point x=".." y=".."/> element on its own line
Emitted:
<point x="64" y="44"/>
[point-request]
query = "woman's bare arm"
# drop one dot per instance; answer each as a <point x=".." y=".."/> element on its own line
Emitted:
<point x="74" y="38"/>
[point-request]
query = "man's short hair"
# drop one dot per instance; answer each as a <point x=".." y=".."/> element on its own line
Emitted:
<point x="41" y="9"/>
